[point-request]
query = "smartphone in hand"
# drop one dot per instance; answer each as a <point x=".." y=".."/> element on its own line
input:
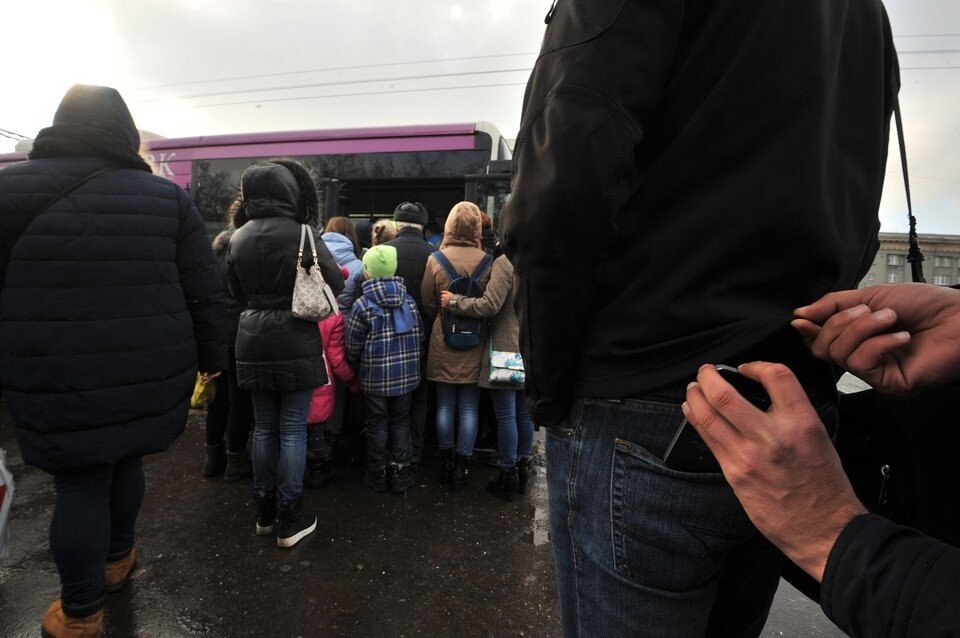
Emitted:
<point x="687" y="452"/>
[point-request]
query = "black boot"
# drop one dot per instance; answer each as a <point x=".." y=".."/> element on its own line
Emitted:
<point x="523" y="474"/>
<point x="293" y="525"/>
<point x="401" y="479"/>
<point x="506" y="485"/>
<point x="216" y="461"/>
<point x="266" y="513"/>
<point x="461" y="473"/>
<point x="377" y="479"/>
<point x="238" y="467"/>
<point x="317" y="475"/>
<point x="446" y="466"/>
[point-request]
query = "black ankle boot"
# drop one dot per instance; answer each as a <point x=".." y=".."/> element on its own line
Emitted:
<point x="461" y="473"/>
<point x="266" y="513"/>
<point x="216" y="461"/>
<point x="317" y="475"/>
<point x="523" y="474"/>
<point x="238" y="467"/>
<point x="505" y="485"/>
<point x="293" y="525"/>
<point x="446" y="466"/>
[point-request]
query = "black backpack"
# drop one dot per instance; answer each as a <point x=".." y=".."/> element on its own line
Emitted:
<point x="459" y="332"/>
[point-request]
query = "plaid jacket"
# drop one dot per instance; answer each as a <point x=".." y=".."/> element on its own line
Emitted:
<point x="384" y="338"/>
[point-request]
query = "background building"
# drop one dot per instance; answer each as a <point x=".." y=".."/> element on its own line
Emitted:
<point x="941" y="265"/>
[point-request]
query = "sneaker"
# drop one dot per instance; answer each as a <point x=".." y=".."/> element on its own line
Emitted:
<point x="266" y="513"/>
<point x="401" y="480"/>
<point x="293" y="525"/>
<point x="376" y="479"/>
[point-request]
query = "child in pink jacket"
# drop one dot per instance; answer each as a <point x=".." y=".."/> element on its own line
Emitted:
<point x="320" y="438"/>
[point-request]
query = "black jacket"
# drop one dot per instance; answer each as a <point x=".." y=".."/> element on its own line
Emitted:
<point x="110" y="301"/>
<point x="221" y="246"/>
<point x="687" y="173"/>
<point x="883" y="579"/>
<point x="412" y="253"/>
<point x="275" y="350"/>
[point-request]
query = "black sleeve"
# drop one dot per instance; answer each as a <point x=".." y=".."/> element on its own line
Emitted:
<point x="328" y="265"/>
<point x="589" y="101"/>
<point x="201" y="283"/>
<point x="884" y="579"/>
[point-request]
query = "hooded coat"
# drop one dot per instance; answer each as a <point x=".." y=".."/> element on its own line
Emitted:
<point x="461" y="245"/>
<point x="110" y="299"/>
<point x="275" y="350"/>
<point x="341" y="248"/>
<point x="384" y="337"/>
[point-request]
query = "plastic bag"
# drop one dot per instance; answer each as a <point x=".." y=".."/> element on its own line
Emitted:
<point x="6" y="499"/>
<point x="203" y="393"/>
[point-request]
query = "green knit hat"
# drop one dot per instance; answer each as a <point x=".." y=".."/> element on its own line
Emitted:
<point x="380" y="261"/>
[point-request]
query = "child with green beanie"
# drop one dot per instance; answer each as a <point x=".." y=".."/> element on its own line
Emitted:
<point x="384" y="336"/>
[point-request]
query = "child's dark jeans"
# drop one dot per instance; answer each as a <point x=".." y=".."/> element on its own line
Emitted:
<point x="388" y="430"/>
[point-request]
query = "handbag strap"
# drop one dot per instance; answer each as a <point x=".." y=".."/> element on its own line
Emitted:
<point x="69" y="189"/>
<point x="304" y="234"/>
<point x="914" y="256"/>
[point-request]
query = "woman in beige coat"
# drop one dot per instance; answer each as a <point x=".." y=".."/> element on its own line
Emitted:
<point x="514" y="426"/>
<point x="455" y="372"/>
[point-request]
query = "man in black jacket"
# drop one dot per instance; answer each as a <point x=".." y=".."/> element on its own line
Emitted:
<point x="412" y="253"/>
<point x="879" y="579"/>
<point x="685" y="175"/>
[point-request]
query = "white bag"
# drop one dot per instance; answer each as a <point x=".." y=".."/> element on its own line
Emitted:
<point x="6" y="498"/>
<point x="313" y="299"/>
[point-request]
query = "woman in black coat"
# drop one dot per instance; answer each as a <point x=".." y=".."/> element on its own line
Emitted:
<point x="110" y="302"/>
<point x="279" y="357"/>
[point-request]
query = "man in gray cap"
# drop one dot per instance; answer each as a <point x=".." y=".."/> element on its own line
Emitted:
<point x="412" y="253"/>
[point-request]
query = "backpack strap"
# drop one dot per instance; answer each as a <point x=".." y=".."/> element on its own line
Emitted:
<point x="446" y="265"/>
<point x="482" y="267"/>
<point x="914" y="255"/>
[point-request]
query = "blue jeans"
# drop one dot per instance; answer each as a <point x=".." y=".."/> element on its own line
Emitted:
<point x="514" y="427"/>
<point x="280" y="442"/>
<point x="94" y="521"/>
<point x="644" y="550"/>
<point x="451" y="399"/>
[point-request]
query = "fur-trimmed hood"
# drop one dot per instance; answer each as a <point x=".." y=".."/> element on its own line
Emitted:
<point x="463" y="226"/>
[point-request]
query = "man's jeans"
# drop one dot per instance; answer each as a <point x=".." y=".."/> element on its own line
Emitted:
<point x="280" y="442"/>
<point x="388" y="430"/>
<point x="643" y="550"/>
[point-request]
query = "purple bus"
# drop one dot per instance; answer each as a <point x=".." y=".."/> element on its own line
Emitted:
<point x="362" y="173"/>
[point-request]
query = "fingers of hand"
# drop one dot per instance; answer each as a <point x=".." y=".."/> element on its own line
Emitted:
<point x="873" y="361"/>
<point x="716" y="431"/>
<point x="855" y="333"/>
<point x="829" y="305"/>
<point x="807" y="329"/>
<point x="725" y="399"/>
<point x="786" y="393"/>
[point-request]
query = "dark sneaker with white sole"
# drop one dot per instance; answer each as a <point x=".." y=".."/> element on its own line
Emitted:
<point x="293" y="525"/>
<point x="266" y="513"/>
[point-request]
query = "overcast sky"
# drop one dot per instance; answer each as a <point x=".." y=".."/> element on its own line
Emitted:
<point x="194" y="67"/>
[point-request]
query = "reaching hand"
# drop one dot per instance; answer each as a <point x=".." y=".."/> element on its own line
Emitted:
<point x="781" y="463"/>
<point x="207" y="377"/>
<point x="898" y="338"/>
<point x="445" y="298"/>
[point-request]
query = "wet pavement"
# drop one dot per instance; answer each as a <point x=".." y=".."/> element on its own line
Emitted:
<point x="425" y="564"/>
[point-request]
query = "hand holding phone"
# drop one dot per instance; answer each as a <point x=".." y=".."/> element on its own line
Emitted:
<point x="687" y="452"/>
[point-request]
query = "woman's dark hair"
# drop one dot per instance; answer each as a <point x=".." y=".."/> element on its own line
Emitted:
<point x="346" y="228"/>
<point x="237" y="213"/>
<point x="309" y="204"/>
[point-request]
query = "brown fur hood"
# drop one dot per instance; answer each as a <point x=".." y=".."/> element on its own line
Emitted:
<point x="463" y="226"/>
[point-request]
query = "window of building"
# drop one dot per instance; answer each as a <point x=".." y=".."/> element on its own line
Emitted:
<point x="893" y="260"/>
<point x="893" y="278"/>
<point x="872" y="276"/>
<point x="942" y="262"/>
<point x="941" y="280"/>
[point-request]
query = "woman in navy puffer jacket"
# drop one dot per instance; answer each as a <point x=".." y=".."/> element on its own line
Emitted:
<point x="110" y="302"/>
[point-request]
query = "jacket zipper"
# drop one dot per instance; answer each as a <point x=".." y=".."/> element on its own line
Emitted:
<point x="546" y="21"/>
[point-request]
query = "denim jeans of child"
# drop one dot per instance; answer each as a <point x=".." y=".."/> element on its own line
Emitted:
<point x="514" y="427"/>
<point x="94" y="520"/>
<point x="280" y="442"/>
<point x="645" y="550"/>
<point x="388" y="430"/>
<point x="454" y="400"/>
